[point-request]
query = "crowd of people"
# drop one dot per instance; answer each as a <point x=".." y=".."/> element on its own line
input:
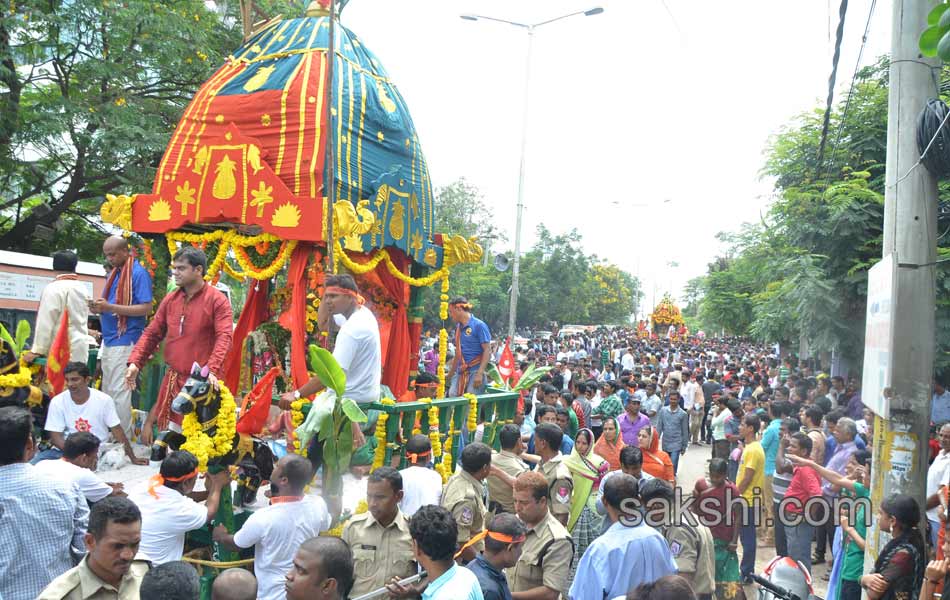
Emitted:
<point x="581" y="500"/>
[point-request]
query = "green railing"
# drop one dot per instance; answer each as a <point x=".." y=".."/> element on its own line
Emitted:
<point x="496" y="408"/>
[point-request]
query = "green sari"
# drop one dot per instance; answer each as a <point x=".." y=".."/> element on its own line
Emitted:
<point x="586" y="470"/>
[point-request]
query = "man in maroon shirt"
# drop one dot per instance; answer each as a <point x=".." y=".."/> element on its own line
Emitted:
<point x="804" y="486"/>
<point x="195" y="322"/>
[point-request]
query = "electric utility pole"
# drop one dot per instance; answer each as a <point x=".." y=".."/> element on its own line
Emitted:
<point x="903" y="362"/>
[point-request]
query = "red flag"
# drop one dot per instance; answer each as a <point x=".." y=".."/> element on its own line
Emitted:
<point x="59" y="355"/>
<point x="506" y="364"/>
<point x="256" y="406"/>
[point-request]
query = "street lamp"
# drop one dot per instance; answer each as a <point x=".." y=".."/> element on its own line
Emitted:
<point x="529" y="28"/>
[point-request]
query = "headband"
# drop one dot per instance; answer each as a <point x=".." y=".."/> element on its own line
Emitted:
<point x="335" y="289"/>
<point x="498" y="537"/>
<point x="157" y="480"/>
<point x="465" y="305"/>
<point x="415" y="456"/>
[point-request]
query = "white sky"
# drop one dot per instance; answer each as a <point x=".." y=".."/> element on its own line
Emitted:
<point x="627" y="106"/>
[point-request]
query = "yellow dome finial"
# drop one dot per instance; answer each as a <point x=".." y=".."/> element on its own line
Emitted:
<point x="319" y="8"/>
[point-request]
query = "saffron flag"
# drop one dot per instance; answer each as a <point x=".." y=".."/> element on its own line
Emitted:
<point x="256" y="406"/>
<point x="506" y="364"/>
<point x="59" y="355"/>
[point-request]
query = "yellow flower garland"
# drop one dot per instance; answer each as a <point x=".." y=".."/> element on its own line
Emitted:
<point x="443" y="336"/>
<point x="379" y="455"/>
<point x="228" y="239"/>
<point x="203" y="446"/>
<point x="296" y="417"/>
<point x="472" y="412"/>
<point x="382" y="254"/>
<point x="23" y="377"/>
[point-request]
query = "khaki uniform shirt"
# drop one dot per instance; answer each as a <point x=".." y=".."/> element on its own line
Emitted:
<point x="80" y="583"/>
<point x="379" y="553"/>
<point x="693" y="549"/>
<point x="560" y="485"/>
<point x="462" y="496"/>
<point x="500" y="491"/>
<point x="545" y="558"/>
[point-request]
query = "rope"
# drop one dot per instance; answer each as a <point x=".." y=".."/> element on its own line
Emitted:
<point x="219" y="564"/>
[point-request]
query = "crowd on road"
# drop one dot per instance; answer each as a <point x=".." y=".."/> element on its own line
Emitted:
<point x="582" y="499"/>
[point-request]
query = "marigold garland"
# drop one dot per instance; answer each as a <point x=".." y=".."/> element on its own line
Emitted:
<point x="228" y="239"/>
<point x="382" y="254"/>
<point x="22" y="378"/>
<point x="379" y="455"/>
<point x="296" y="417"/>
<point x="472" y="412"/>
<point x="443" y="335"/>
<point x="203" y="446"/>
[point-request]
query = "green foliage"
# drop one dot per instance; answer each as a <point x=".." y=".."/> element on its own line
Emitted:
<point x="935" y="40"/>
<point x="558" y="280"/>
<point x="327" y="369"/>
<point x="90" y="93"/>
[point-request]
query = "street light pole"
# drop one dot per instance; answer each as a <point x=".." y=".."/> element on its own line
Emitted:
<point x="516" y="262"/>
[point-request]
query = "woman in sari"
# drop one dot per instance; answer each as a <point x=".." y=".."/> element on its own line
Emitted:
<point x="655" y="462"/>
<point x="899" y="569"/>
<point x="610" y="444"/>
<point x="587" y="468"/>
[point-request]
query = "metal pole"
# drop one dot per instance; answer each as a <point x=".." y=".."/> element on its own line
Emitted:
<point x="910" y="233"/>
<point x="516" y="263"/>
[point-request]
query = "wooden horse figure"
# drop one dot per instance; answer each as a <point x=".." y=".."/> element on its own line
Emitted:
<point x="23" y="393"/>
<point x="252" y="455"/>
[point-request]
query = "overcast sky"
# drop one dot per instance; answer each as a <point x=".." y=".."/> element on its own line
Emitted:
<point x="630" y="107"/>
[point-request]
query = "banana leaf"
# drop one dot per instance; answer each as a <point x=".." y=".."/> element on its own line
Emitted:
<point x="22" y="334"/>
<point x="530" y="377"/>
<point x="327" y="369"/>
<point x="5" y="335"/>
<point x="495" y="377"/>
<point x="352" y="410"/>
<point x="344" y="446"/>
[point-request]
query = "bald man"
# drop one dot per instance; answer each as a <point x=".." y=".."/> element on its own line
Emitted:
<point x="122" y="317"/>
<point x="234" y="584"/>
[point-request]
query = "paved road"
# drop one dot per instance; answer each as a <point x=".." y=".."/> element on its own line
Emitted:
<point x="693" y="466"/>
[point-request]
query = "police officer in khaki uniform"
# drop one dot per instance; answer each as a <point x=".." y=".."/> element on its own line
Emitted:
<point x="545" y="563"/>
<point x="691" y="543"/>
<point x="501" y="499"/>
<point x="109" y="571"/>
<point x="547" y="442"/>
<point x="462" y="496"/>
<point x="379" y="538"/>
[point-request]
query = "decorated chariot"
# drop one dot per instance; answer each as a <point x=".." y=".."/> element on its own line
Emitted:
<point x="287" y="166"/>
<point x="666" y="320"/>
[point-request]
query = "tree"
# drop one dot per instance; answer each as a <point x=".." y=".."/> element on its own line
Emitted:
<point x="91" y="91"/>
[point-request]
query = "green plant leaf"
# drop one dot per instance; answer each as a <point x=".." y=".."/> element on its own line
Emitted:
<point x="331" y="451"/>
<point x="344" y="446"/>
<point x="494" y="376"/>
<point x="7" y="337"/>
<point x="936" y="13"/>
<point x="326" y="426"/>
<point x="22" y="334"/>
<point x="353" y="411"/>
<point x="943" y="47"/>
<point x="328" y="370"/>
<point x="929" y="40"/>
<point x="530" y="378"/>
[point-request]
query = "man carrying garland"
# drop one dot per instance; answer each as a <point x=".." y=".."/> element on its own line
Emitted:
<point x="195" y="322"/>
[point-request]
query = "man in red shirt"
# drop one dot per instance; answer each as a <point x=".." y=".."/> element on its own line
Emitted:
<point x="805" y="486"/>
<point x="195" y="322"/>
<point x="717" y="506"/>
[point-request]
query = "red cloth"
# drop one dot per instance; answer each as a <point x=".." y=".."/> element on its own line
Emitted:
<point x="506" y="364"/>
<point x="194" y="331"/>
<point x="256" y="406"/>
<point x="396" y="356"/>
<point x="805" y="484"/>
<point x="253" y="314"/>
<point x="58" y="355"/>
<point x="297" y="315"/>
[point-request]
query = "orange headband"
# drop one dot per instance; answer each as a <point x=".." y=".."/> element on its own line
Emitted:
<point x="334" y="289"/>
<point x="157" y="480"/>
<point x="498" y="537"/>
<point x="414" y="457"/>
<point x="465" y="305"/>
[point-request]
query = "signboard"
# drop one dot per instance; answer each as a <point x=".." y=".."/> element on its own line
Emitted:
<point x="17" y="286"/>
<point x="879" y="335"/>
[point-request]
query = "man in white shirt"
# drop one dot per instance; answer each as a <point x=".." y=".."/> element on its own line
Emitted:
<point x="65" y="292"/>
<point x="420" y="484"/>
<point x="78" y="465"/>
<point x="278" y="530"/>
<point x="937" y="475"/>
<point x="169" y="509"/>
<point x="81" y="408"/>
<point x="627" y="361"/>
